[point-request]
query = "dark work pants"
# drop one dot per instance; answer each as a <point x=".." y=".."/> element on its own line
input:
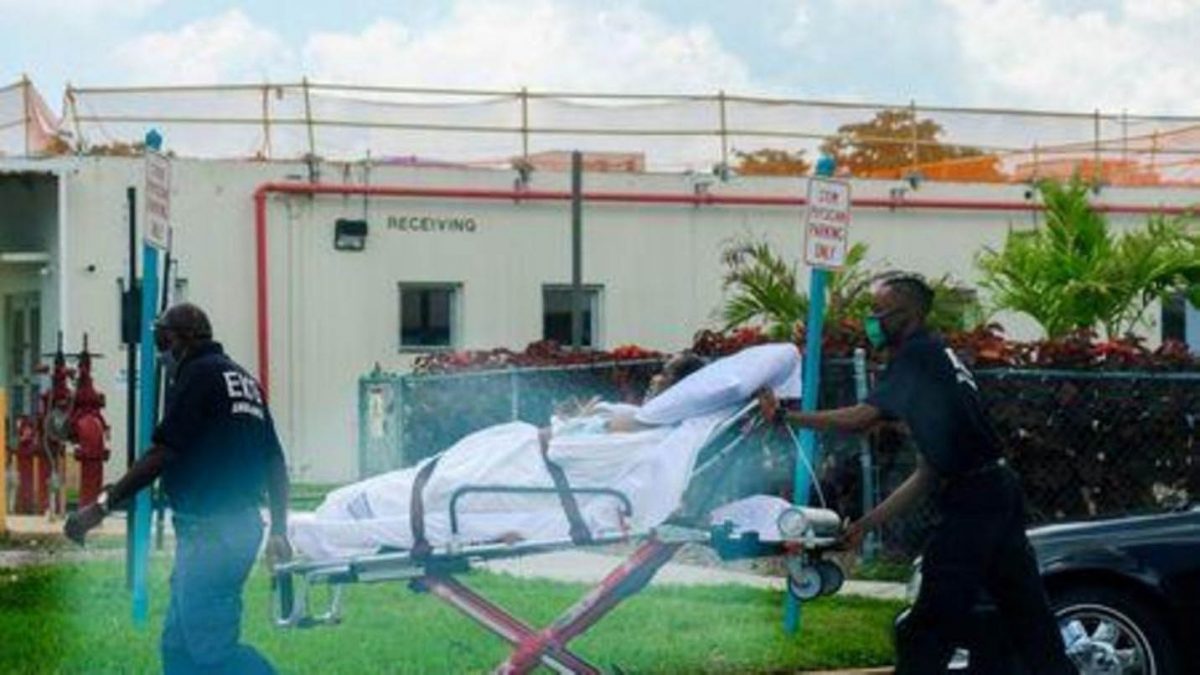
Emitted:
<point x="213" y="556"/>
<point x="980" y="543"/>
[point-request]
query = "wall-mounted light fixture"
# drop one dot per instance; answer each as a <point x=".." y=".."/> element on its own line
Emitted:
<point x="349" y="235"/>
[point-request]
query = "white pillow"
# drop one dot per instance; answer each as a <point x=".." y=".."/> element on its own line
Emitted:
<point x="727" y="382"/>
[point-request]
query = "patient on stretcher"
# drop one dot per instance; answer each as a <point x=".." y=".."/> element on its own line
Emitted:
<point x="645" y="452"/>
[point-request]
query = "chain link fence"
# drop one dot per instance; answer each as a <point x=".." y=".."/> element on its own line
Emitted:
<point x="405" y="418"/>
<point x="1085" y="443"/>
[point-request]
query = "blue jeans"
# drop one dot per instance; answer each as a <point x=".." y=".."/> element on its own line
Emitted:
<point x="213" y="557"/>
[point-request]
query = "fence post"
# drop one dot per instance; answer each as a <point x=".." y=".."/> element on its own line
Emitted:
<point x="3" y="462"/>
<point x="514" y="394"/>
<point x="400" y="384"/>
<point x="73" y="113"/>
<point x="266" y="113"/>
<point x="724" y="134"/>
<point x="916" y="148"/>
<point x="26" y="112"/>
<point x="364" y="435"/>
<point x="308" y="124"/>
<point x="866" y="461"/>
<point x="524" y="124"/>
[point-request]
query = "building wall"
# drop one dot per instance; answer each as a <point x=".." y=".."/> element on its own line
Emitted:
<point x="334" y="315"/>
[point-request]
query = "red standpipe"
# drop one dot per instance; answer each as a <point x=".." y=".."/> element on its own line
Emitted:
<point x="89" y="430"/>
<point x="27" y="452"/>
<point x="519" y="195"/>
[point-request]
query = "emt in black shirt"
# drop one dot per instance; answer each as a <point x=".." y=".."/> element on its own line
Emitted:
<point x="216" y="450"/>
<point x="980" y="541"/>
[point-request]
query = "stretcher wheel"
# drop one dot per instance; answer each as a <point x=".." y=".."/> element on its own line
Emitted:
<point x="804" y="581"/>
<point x="832" y="577"/>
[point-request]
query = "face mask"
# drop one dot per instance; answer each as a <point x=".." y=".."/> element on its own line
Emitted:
<point x="167" y="358"/>
<point x="875" y="333"/>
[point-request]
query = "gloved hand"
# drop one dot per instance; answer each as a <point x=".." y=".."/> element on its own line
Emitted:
<point x="278" y="551"/>
<point x="79" y="523"/>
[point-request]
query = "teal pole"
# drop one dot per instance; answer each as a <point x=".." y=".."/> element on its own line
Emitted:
<point x="148" y="392"/>
<point x="809" y="443"/>
<point x="147" y="412"/>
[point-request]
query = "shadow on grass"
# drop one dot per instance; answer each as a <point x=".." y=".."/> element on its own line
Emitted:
<point x="75" y="618"/>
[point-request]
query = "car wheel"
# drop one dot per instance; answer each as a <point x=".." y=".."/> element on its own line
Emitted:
<point x="1112" y="632"/>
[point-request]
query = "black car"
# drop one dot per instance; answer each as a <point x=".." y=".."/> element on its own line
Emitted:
<point x="1126" y="592"/>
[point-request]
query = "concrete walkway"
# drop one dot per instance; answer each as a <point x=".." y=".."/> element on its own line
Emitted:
<point x="572" y="565"/>
<point x="590" y="567"/>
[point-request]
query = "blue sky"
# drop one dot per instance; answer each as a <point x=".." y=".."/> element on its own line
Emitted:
<point x="1137" y="55"/>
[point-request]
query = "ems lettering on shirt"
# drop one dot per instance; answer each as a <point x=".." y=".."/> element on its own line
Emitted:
<point x="961" y="374"/>
<point x="244" y="394"/>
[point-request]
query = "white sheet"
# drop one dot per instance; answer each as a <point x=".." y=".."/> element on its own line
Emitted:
<point x="728" y="382"/>
<point x="651" y="467"/>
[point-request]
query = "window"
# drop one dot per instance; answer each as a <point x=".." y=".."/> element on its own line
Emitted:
<point x="1174" y="318"/>
<point x="556" y="314"/>
<point x="428" y="316"/>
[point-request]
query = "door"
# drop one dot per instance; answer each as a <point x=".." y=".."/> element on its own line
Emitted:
<point x="23" y="318"/>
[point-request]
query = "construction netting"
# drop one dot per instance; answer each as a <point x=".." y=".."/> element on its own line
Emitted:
<point x="619" y="132"/>
<point x="27" y="126"/>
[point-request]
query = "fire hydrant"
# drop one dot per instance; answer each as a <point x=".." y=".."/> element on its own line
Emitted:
<point x="89" y="430"/>
<point x="27" y="450"/>
<point x="54" y="425"/>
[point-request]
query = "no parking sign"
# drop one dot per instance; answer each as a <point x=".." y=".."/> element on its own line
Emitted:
<point x="827" y="223"/>
<point x="158" y="200"/>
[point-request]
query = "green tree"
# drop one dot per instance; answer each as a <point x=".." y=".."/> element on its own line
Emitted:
<point x="1073" y="273"/>
<point x="771" y="162"/>
<point x="763" y="289"/>
<point x="893" y="139"/>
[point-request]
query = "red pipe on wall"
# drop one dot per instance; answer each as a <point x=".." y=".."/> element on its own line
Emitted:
<point x="685" y="199"/>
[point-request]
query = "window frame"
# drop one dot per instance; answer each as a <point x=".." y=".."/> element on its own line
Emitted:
<point x="593" y="291"/>
<point x="455" y="315"/>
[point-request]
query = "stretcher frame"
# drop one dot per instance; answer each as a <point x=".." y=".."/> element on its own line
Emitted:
<point x="434" y="572"/>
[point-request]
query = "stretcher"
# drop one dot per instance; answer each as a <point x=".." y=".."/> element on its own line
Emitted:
<point x="803" y="536"/>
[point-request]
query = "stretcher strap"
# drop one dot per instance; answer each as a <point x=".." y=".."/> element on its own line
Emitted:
<point x="416" y="511"/>
<point x="579" y="530"/>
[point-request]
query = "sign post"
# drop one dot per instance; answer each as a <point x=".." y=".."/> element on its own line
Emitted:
<point x="155" y="237"/>
<point x="826" y="233"/>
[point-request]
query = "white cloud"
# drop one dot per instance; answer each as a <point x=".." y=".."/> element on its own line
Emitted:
<point x="77" y="10"/>
<point x="1159" y="11"/>
<point x="796" y="31"/>
<point x="1024" y="53"/>
<point x="545" y="44"/>
<point x="225" y="48"/>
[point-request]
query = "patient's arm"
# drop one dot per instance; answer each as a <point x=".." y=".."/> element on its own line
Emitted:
<point x="625" y="423"/>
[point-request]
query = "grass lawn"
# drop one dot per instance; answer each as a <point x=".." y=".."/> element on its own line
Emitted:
<point x="75" y="619"/>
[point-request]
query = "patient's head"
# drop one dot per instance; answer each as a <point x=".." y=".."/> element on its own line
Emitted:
<point x="675" y="369"/>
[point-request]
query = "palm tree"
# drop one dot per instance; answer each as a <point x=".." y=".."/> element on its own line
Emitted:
<point x="1074" y="273"/>
<point x="765" y="290"/>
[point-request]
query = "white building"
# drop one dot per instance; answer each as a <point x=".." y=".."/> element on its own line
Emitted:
<point x="463" y="272"/>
